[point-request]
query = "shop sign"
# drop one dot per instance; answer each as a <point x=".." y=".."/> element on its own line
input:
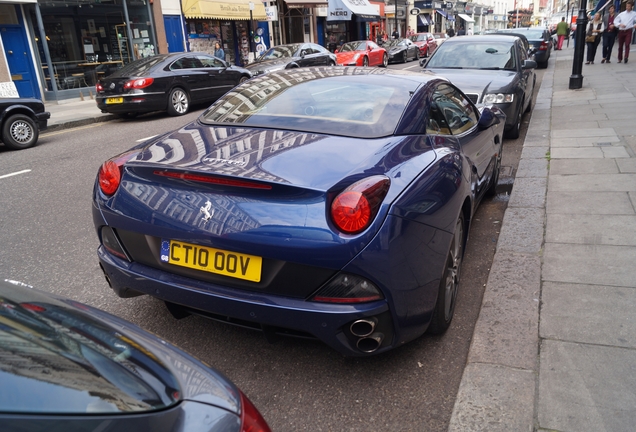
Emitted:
<point x="272" y="13"/>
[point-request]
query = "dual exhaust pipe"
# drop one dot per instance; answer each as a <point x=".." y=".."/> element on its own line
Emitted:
<point x="364" y="328"/>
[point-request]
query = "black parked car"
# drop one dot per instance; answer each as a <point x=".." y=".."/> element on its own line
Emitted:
<point x="292" y="56"/>
<point x="401" y="50"/>
<point x="540" y="41"/>
<point x="167" y="82"/>
<point x="491" y="69"/>
<point x="21" y="120"/>
<point x="65" y="366"/>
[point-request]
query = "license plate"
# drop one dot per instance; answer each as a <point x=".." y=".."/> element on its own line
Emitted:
<point x="232" y="264"/>
<point x="116" y="100"/>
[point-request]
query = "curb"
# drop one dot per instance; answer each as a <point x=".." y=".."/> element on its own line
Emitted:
<point x="498" y="390"/>
<point x="79" y="122"/>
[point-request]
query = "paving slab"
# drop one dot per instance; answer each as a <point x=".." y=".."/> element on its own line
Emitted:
<point x="587" y="166"/>
<point x="608" y="229"/>
<point x="589" y="314"/>
<point x="614" y="152"/>
<point x="576" y="153"/>
<point x="589" y="264"/>
<point x="522" y="230"/>
<point x="494" y="398"/>
<point x="583" y="142"/>
<point x="583" y="133"/>
<point x="535" y="152"/>
<point x="626" y="165"/>
<point x="594" y="182"/>
<point x="506" y="332"/>
<point x="587" y="388"/>
<point x="532" y="167"/>
<point x="576" y="203"/>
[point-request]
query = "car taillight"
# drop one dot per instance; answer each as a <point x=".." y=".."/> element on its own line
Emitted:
<point x="544" y="46"/>
<point x="109" y="175"/>
<point x="138" y="83"/>
<point x="251" y="419"/>
<point x="99" y="87"/>
<point x="355" y="207"/>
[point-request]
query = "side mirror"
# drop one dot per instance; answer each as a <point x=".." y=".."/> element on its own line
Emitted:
<point x="488" y="119"/>
<point x="369" y="48"/>
<point x="529" y="64"/>
<point x="423" y="61"/>
<point x="303" y="54"/>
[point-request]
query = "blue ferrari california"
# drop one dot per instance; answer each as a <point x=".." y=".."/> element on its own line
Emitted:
<point x="331" y="203"/>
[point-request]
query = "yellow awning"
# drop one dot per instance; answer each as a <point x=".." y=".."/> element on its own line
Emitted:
<point x="224" y="9"/>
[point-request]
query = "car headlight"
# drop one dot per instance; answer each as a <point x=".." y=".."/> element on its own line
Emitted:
<point x="498" y="98"/>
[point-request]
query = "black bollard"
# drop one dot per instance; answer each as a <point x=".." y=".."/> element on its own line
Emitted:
<point x="576" y="79"/>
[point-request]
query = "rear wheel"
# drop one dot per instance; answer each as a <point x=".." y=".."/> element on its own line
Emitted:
<point x="417" y="54"/>
<point x="447" y="296"/>
<point x="492" y="187"/>
<point x="405" y="57"/>
<point x="365" y="61"/>
<point x="385" y="60"/>
<point x="20" y="132"/>
<point x="178" y="102"/>
<point x="243" y="79"/>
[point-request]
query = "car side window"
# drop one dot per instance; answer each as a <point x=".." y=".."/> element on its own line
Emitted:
<point x="210" y="62"/>
<point x="457" y="111"/>
<point x="523" y="55"/>
<point x="186" y="63"/>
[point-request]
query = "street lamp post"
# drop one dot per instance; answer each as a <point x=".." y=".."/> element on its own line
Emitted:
<point x="576" y="79"/>
<point x="250" y="33"/>
<point x="396" y="20"/>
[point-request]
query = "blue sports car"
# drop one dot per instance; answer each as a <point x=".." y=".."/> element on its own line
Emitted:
<point x="331" y="203"/>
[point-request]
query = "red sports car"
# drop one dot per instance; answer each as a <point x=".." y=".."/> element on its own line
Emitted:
<point x="426" y="43"/>
<point x="362" y="53"/>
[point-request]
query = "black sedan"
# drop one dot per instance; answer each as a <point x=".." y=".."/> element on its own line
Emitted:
<point x="491" y="70"/>
<point x="292" y="56"/>
<point x="540" y="41"/>
<point x="66" y="366"/>
<point x="167" y="82"/>
<point x="401" y="50"/>
<point x="21" y="121"/>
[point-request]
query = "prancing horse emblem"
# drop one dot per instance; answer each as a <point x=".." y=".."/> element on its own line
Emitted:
<point x="206" y="211"/>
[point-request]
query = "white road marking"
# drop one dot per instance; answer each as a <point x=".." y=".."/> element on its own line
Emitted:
<point x="15" y="173"/>
<point x="146" y="139"/>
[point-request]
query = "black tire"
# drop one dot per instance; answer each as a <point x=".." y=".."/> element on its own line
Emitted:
<point x="405" y="57"/>
<point x="542" y="65"/>
<point x="447" y="295"/>
<point x="529" y="107"/>
<point x="20" y="132"/>
<point x="385" y="60"/>
<point x="417" y="55"/>
<point x="365" y="61"/>
<point x="492" y="187"/>
<point x="513" y="132"/>
<point x="178" y="102"/>
<point x="243" y="79"/>
<point x="332" y="63"/>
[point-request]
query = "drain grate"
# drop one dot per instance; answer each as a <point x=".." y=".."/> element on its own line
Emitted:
<point x="603" y="144"/>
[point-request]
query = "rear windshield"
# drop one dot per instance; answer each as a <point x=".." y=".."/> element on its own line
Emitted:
<point x="474" y="55"/>
<point x="529" y="34"/>
<point x="330" y="101"/>
<point x="283" y="51"/>
<point x="139" y="67"/>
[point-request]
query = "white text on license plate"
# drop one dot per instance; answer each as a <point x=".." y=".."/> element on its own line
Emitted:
<point x="232" y="264"/>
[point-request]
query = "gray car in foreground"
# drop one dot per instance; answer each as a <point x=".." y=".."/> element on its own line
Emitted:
<point x="490" y="70"/>
<point x="65" y="366"/>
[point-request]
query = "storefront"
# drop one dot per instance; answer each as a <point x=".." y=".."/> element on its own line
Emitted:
<point x="228" y="22"/>
<point x="351" y="20"/>
<point x="74" y="42"/>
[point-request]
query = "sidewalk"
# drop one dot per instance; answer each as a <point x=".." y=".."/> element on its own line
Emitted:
<point x="554" y="345"/>
<point x="74" y="113"/>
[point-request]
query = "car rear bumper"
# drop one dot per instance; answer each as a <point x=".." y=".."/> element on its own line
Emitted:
<point x="133" y="103"/>
<point x="327" y="322"/>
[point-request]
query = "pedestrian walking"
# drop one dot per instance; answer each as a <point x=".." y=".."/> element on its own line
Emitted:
<point x="593" y="37"/>
<point x="625" y="23"/>
<point x="562" y="31"/>
<point x="609" y="34"/>
<point x="450" y="32"/>
<point x="218" y="51"/>
<point x="461" y="31"/>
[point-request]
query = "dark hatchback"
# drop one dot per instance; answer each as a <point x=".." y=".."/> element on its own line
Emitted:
<point x="292" y="56"/>
<point x="540" y="41"/>
<point x="167" y="82"/>
<point x="21" y="120"/>
<point x="65" y="366"/>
